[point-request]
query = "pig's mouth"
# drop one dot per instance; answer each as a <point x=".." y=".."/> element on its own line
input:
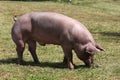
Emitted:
<point x="89" y="63"/>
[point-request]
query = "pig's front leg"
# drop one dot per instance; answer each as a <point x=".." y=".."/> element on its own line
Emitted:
<point x="65" y="60"/>
<point x="68" y="56"/>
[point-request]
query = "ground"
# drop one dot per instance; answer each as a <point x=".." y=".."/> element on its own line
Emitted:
<point x="101" y="17"/>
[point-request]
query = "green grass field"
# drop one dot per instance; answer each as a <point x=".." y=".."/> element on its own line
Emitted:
<point x="101" y="17"/>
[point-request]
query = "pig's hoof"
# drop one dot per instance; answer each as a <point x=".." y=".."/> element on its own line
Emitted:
<point x="71" y="66"/>
<point x="20" y="62"/>
<point x="36" y="62"/>
<point x="64" y="62"/>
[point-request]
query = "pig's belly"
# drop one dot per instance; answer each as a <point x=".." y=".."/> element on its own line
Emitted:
<point x="43" y="39"/>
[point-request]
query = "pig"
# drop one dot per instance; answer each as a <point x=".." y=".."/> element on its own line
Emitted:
<point x="54" y="28"/>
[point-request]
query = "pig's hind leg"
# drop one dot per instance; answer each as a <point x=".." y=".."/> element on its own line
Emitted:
<point x="32" y="49"/>
<point x="20" y="46"/>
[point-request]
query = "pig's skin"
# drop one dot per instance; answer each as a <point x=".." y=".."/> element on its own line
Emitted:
<point x="54" y="28"/>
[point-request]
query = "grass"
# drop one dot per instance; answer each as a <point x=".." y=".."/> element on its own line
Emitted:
<point x="101" y="17"/>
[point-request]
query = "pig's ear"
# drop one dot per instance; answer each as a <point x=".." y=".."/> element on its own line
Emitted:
<point x="99" y="47"/>
<point x="91" y="49"/>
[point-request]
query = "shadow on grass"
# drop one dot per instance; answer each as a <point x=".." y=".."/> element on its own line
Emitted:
<point x="115" y="34"/>
<point x="59" y="65"/>
<point x="34" y="0"/>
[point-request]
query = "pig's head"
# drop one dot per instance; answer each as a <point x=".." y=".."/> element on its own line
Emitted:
<point x="86" y="53"/>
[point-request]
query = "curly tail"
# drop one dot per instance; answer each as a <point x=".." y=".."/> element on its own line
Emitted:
<point x="15" y="18"/>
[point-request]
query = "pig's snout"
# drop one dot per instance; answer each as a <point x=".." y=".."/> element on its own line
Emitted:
<point x="89" y="63"/>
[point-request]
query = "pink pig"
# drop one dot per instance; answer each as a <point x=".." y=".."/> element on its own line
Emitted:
<point x="54" y="28"/>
